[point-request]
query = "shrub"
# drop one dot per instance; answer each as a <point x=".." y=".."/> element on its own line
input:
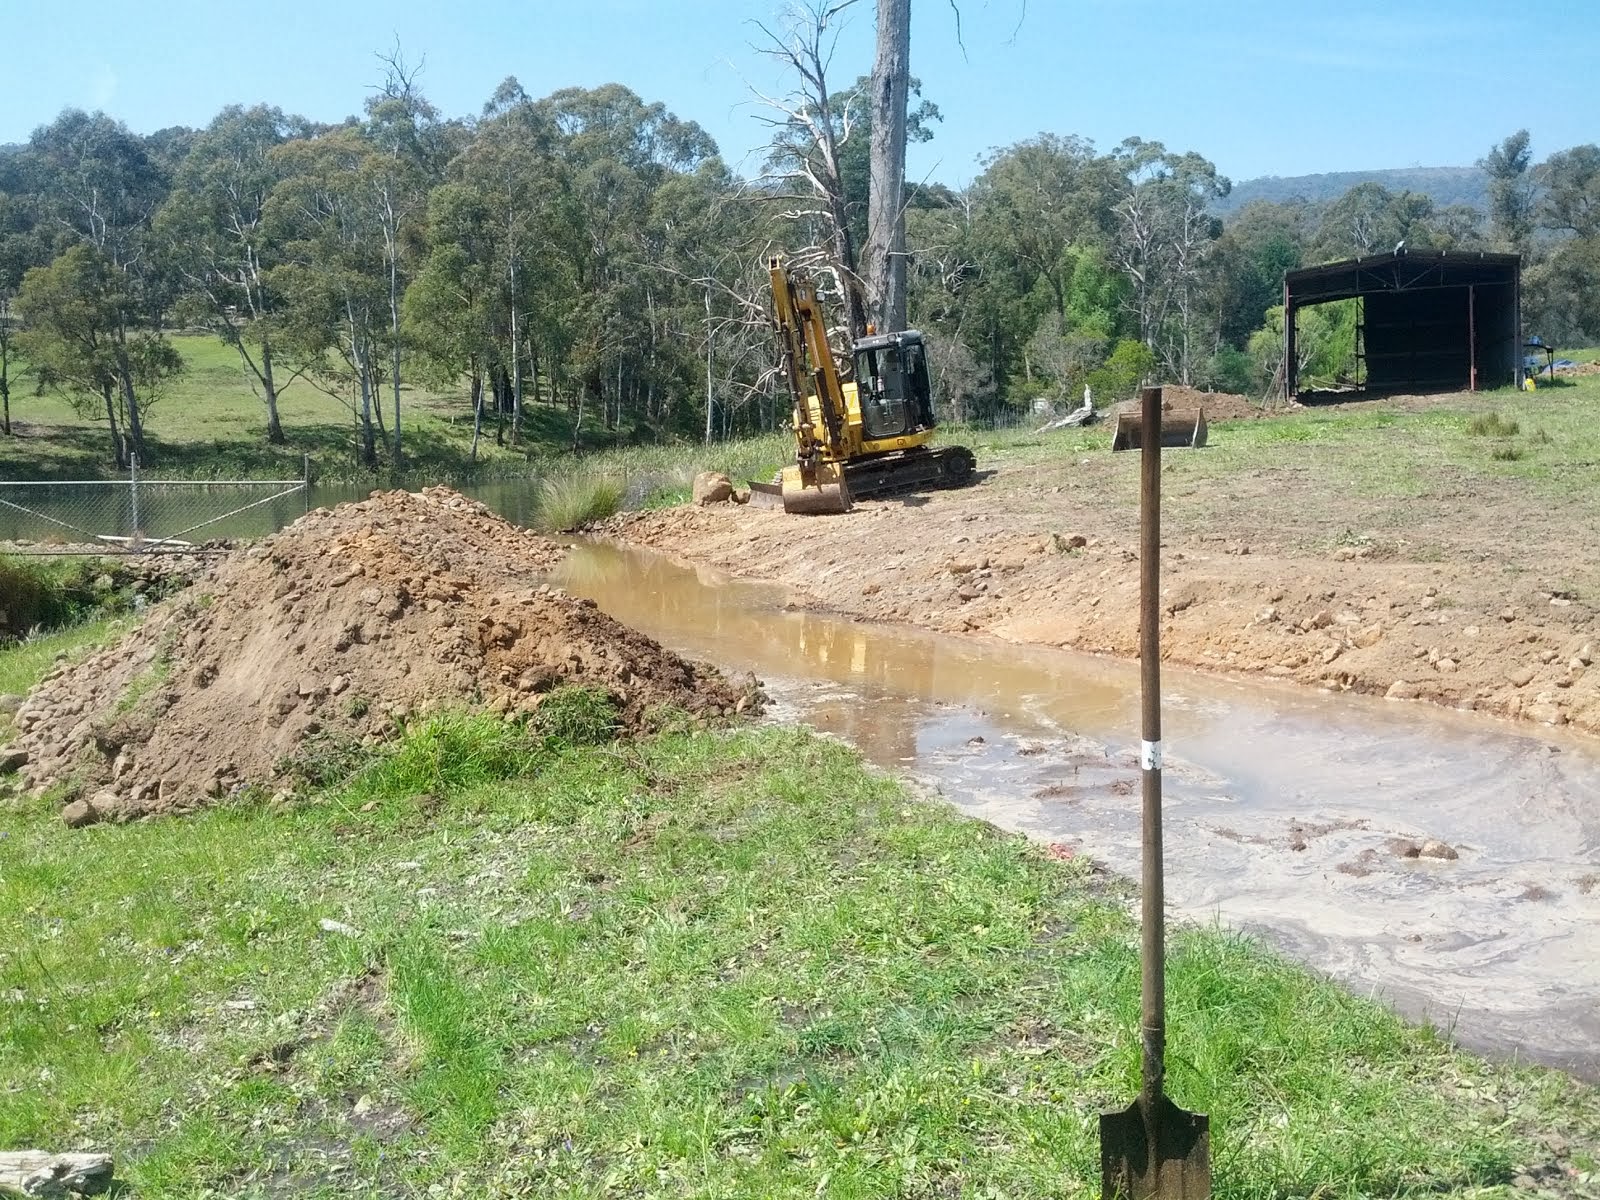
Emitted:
<point x="573" y="500"/>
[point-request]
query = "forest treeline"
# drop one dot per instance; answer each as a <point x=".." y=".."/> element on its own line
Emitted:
<point x="590" y="249"/>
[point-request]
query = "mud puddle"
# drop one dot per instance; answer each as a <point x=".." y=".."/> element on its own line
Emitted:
<point x="1295" y="816"/>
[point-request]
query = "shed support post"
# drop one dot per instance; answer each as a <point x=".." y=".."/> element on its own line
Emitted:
<point x="1291" y="380"/>
<point x="1472" y="338"/>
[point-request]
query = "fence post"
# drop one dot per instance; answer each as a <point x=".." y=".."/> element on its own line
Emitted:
<point x="306" y="475"/>
<point x="133" y="490"/>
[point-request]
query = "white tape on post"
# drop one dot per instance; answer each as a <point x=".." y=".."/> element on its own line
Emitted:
<point x="1149" y="756"/>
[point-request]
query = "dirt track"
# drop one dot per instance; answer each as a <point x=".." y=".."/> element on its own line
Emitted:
<point x="1046" y="553"/>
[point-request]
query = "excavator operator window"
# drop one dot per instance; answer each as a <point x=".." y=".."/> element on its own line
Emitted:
<point x="881" y="383"/>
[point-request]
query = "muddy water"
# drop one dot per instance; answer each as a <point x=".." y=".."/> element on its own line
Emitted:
<point x="1288" y="814"/>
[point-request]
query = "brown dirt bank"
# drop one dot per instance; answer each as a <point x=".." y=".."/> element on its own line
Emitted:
<point x="1023" y="557"/>
<point x="336" y="628"/>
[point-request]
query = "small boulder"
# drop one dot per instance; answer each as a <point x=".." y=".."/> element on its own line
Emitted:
<point x="1403" y="689"/>
<point x="1433" y="848"/>
<point x="1521" y="676"/>
<point x="9" y="704"/>
<point x="81" y="812"/>
<point x="12" y="760"/>
<point x="712" y="487"/>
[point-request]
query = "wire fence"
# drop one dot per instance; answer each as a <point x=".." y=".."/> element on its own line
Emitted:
<point x="139" y="515"/>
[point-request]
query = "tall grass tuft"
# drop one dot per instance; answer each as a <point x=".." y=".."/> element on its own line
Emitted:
<point x="1493" y="425"/>
<point x="573" y="500"/>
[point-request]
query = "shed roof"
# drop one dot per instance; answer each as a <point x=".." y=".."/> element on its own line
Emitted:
<point x="1399" y="271"/>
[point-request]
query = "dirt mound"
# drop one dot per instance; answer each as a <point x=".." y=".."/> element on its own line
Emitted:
<point x="1219" y="406"/>
<point x="335" y="628"/>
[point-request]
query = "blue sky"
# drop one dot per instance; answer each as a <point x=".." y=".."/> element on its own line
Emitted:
<point x="1260" y="88"/>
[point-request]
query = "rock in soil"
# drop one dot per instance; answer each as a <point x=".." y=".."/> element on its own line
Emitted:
<point x="338" y="629"/>
<point x="712" y="487"/>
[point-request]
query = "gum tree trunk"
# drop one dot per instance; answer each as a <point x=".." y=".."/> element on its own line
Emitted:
<point x="886" y="220"/>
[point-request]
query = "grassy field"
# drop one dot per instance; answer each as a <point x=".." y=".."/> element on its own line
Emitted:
<point x="490" y="963"/>
<point x="209" y="424"/>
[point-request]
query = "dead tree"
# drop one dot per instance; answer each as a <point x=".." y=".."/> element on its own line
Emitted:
<point x="811" y="126"/>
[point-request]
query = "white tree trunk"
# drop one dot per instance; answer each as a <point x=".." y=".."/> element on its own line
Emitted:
<point x="886" y="218"/>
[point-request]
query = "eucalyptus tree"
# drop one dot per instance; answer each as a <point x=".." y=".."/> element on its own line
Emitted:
<point x="98" y="188"/>
<point x="886" y="224"/>
<point x="80" y="338"/>
<point x="1165" y="228"/>
<point x="452" y="305"/>
<point x="615" y="151"/>
<point x="22" y="245"/>
<point x="214" y="233"/>
<point x="410" y="147"/>
<point x="1564" y="285"/>
<point x="1512" y="197"/>
<point x="525" y="201"/>
<point x="331" y="278"/>
<point x="812" y="126"/>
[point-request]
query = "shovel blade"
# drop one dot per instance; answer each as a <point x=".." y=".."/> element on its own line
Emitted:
<point x="1176" y="1167"/>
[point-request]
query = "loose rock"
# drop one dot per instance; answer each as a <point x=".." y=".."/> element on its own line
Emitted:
<point x="712" y="487"/>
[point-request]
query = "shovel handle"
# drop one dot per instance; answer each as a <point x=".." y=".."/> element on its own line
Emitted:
<point x="1152" y="990"/>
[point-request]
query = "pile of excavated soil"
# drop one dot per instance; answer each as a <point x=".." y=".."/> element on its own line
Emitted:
<point x="1219" y="406"/>
<point x="336" y="628"/>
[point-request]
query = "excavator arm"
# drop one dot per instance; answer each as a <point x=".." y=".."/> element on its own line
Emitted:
<point x="816" y="482"/>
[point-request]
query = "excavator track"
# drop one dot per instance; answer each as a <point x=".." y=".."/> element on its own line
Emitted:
<point x="945" y="467"/>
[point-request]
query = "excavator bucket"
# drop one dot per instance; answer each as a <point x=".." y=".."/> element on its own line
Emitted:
<point x="1178" y="428"/>
<point x="765" y="495"/>
<point x="826" y="493"/>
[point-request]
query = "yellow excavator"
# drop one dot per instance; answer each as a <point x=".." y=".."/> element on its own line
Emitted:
<point x="856" y="437"/>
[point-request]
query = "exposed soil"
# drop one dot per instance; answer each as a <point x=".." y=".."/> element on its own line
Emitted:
<point x="1318" y="591"/>
<point x="1218" y="406"/>
<point x="338" y="627"/>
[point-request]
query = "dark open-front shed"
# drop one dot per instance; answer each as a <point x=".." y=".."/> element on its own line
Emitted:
<point x="1431" y="321"/>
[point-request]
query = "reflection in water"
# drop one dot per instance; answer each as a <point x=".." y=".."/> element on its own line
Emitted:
<point x="883" y="680"/>
<point x="1284" y="809"/>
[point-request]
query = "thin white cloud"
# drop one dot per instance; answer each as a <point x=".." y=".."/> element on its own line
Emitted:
<point x="102" y="88"/>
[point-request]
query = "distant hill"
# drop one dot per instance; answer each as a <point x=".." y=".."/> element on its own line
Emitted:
<point x="1447" y="185"/>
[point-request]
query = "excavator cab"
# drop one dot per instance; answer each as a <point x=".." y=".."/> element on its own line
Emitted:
<point x="892" y="387"/>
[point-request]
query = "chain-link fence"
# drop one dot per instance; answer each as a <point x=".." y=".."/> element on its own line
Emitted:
<point x="139" y="515"/>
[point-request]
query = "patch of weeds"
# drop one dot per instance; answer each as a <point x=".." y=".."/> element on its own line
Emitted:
<point x="1510" y="452"/>
<point x="569" y="501"/>
<point x="670" y="718"/>
<point x="326" y="760"/>
<point x="1540" y="437"/>
<point x="357" y="706"/>
<point x="1493" y="425"/>
<point x="448" y="752"/>
<point x="579" y="716"/>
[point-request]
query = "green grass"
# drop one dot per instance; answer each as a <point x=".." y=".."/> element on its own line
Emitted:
<point x="23" y="663"/>
<point x="209" y="424"/>
<point x="574" y="499"/>
<point x="709" y="965"/>
<point x="1493" y="424"/>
